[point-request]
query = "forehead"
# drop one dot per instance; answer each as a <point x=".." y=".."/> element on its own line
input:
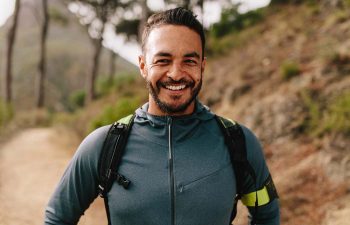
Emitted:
<point x="173" y="39"/>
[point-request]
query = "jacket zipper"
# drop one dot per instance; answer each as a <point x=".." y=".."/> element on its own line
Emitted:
<point x="171" y="173"/>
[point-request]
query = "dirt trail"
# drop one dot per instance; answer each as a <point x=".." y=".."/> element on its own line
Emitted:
<point x="31" y="164"/>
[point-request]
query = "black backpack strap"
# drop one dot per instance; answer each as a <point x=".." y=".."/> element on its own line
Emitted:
<point x="110" y="158"/>
<point x="235" y="141"/>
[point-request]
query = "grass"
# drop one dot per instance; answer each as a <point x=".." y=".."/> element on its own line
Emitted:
<point x="6" y="113"/>
<point x="337" y="116"/>
<point x="327" y="117"/>
<point x="111" y="113"/>
<point x="118" y="83"/>
<point x="76" y="100"/>
<point x="313" y="108"/>
<point x="290" y="69"/>
<point x="221" y="46"/>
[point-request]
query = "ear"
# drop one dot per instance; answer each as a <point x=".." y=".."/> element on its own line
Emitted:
<point x="142" y="66"/>
<point x="204" y="62"/>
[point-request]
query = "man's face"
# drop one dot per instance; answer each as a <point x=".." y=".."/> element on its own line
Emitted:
<point x="172" y="66"/>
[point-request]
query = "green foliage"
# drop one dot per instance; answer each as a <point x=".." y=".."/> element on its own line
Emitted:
<point x="313" y="108"/>
<point x="346" y="3"/>
<point x="112" y="113"/>
<point x="232" y="21"/>
<point x="295" y="2"/>
<point x="57" y="16"/>
<point x="322" y="118"/>
<point x="6" y="113"/>
<point x="128" y="27"/>
<point x="119" y="82"/>
<point x="337" y="117"/>
<point x="76" y="99"/>
<point x="279" y="2"/>
<point x="289" y="70"/>
<point x="218" y="46"/>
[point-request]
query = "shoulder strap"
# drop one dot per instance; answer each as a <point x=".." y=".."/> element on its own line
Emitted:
<point x="111" y="154"/>
<point x="235" y="141"/>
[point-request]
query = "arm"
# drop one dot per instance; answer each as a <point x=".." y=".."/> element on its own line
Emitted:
<point x="267" y="214"/>
<point x="77" y="188"/>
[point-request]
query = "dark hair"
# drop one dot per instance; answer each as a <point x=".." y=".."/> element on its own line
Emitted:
<point x="176" y="16"/>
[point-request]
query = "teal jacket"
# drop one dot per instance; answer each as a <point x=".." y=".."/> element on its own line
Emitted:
<point x="180" y="173"/>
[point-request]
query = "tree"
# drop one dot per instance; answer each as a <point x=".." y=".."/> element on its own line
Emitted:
<point x="42" y="63"/>
<point x="112" y="66"/>
<point x="99" y="13"/>
<point x="11" y="37"/>
<point x="132" y="28"/>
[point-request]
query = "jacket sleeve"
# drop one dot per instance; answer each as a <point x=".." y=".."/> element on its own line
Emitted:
<point x="77" y="188"/>
<point x="269" y="213"/>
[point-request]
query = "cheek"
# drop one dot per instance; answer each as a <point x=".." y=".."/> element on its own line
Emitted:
<point x="153" y="76"/>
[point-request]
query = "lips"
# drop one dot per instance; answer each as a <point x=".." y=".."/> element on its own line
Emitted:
<point x="175" y="87"/>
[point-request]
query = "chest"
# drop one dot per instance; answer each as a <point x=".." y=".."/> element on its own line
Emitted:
<point x="190" y="177"/>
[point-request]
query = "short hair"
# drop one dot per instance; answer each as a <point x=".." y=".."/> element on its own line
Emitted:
<point x="177" y="16"/>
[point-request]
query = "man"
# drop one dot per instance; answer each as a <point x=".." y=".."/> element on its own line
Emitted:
<point x="175" y="157"/>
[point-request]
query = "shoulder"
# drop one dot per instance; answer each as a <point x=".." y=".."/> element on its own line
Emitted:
<point x="253" y="145"/>
<point x="255" y="155"/>
<point x="92" y="144"/>
<point x="96" y="137"/>
<point x="252" y="142"/>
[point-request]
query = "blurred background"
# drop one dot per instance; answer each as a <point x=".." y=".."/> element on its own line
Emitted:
<point x="280" y="67"/>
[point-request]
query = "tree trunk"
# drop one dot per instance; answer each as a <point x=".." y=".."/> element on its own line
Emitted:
<point x="200" y="3"/>
<point x="144" y="16"/>
<point x="112" y="66"/>
<point x="186" y="4"/>
<point x="42" y="63"/>
<point x="91" y="92"/>
<point x="11" y="41"/>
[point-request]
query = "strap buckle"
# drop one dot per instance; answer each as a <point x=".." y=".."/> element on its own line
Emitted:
<point x="123" y="181"/>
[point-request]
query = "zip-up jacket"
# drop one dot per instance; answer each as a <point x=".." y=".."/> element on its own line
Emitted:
<point x="180" y="173"/>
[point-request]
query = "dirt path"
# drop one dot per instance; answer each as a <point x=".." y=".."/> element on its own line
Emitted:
<point x="31" y="164"/>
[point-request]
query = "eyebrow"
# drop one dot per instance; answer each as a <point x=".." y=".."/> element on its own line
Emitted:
<point x="188" y="55"/>
<point x="192" y="55"/>
<point x="163" y="54"/>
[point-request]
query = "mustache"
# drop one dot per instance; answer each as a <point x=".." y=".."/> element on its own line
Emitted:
<point x="170" y="81"/>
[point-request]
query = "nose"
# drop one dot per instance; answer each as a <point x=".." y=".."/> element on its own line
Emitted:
<point x="176" y="72"/>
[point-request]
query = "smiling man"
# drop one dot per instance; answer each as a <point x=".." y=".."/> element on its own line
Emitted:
<point x="179" y="165"/>
<point x="173" y="71"/>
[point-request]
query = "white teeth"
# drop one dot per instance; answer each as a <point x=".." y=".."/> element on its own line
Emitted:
<point x="175" y="88"/>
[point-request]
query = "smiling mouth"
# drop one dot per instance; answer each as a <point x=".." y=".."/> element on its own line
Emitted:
<point x="175" y="87"/>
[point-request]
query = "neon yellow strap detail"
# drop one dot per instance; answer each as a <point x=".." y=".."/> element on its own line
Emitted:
<point x="125" y="120"/>
<point x="225" y="125"/>
<point x="263" y="198"/>
<point x="233" y="122"/>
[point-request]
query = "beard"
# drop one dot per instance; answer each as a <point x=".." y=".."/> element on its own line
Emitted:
<point x="169" y="108"/>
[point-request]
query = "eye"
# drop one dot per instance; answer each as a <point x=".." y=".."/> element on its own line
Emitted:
<point x="162" y="61"/>
<point x="191" y="62"/>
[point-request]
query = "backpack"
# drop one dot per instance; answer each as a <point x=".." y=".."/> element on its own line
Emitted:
<point x="115" y="142"/>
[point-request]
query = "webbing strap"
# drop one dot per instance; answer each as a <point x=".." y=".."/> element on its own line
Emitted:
<point x="111" y="155"/>
<point x="107" y="211"/>
<point x="126" y="120"/>
<point x="250" y="198"/>
<point x="265" y="195"/>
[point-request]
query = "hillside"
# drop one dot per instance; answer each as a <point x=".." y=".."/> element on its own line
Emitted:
<point x="287" y="79"/>
<point x="308" y="157"/>
<point x="69" y="52"/>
